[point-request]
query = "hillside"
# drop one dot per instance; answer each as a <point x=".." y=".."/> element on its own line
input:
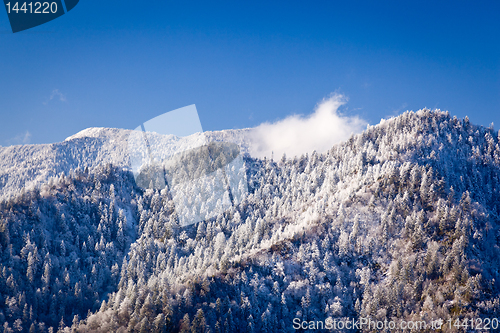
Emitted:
<point x="401" y="222"/>
<point x="29" y="166"/>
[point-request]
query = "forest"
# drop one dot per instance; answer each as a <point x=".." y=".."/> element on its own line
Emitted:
<point x="400" y="223"/>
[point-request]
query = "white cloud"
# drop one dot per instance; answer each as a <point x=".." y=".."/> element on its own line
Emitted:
<point x="57" y="95"/>
<point x="20" y="139"/>
<point x="296" y="135"/>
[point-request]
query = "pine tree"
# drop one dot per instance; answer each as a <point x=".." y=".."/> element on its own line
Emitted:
<point x="198" y="324"/>
<point x="185" y="324"/>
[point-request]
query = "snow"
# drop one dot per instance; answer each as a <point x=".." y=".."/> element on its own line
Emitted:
<point x="32" y="165"/>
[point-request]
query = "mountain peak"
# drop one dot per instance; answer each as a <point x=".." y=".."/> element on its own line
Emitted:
<point x="97" y="132"/>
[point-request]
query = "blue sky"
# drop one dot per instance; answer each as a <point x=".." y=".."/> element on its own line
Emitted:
<point x="120" y="63"/>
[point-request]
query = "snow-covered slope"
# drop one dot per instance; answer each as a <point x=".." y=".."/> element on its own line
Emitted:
<point x="28" y="166"/>
<point x="398" y="223"/>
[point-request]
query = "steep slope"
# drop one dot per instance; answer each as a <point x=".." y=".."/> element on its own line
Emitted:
<point x="398" y="223"/>
<point x="29" y="166"/>
<point x="61" y="247"/>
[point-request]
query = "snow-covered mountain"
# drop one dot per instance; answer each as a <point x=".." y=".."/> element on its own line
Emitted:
<point x="399" y="223"/>
<point x="28" y="166"/>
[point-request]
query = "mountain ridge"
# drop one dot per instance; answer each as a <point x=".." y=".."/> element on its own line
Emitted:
<point x="32" y="165"/>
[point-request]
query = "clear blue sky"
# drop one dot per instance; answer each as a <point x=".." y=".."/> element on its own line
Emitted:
<point x="120" y="63"/>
